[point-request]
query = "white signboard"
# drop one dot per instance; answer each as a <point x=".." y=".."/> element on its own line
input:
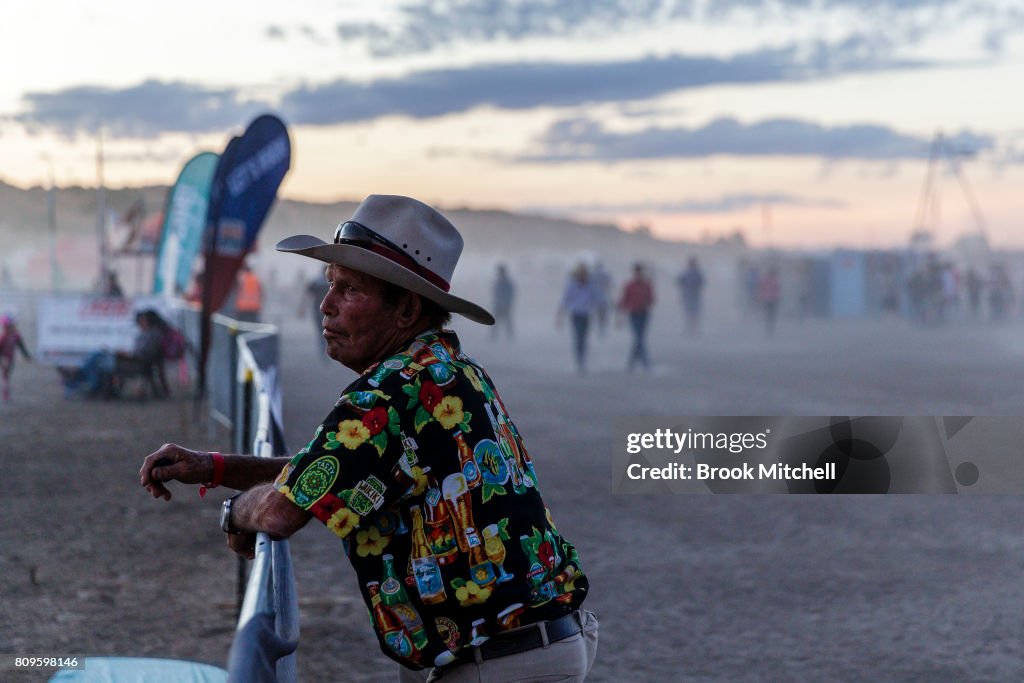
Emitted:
<point x="72" y="327"/>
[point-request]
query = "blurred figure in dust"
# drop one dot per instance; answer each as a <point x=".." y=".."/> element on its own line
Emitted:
<point x="691" y="287"/>
<point x="194" y="295"/>
<point x="636" y="301"/>
<point x="974" y="285"/>
<point x="313" y="293"/>
<point x="603" y="284"/>
<point x="580" y="301"/>
<point x="750" y="277"/>
<point x="109" y="285"/>
<point x="248" y="295"/>
<point x="504" y="291"/>
<point x="768" y="295"/>
<point x="1000" y="293"/>
<point x="10" y="342"/>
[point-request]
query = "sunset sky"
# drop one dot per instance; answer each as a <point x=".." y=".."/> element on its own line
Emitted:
<point x="801" y="122"/>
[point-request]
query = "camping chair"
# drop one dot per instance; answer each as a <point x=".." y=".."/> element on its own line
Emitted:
<point x="150" y="373"/>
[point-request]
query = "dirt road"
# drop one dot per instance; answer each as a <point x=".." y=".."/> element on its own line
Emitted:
<point x="687" y="587"/>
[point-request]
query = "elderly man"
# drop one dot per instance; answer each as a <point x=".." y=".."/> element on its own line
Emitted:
<point x="418" y="469"/>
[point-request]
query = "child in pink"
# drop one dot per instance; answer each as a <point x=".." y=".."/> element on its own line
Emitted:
<point x="10" y="341"/>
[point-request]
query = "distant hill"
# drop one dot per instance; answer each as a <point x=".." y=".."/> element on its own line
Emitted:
<point x="491" y="235"/>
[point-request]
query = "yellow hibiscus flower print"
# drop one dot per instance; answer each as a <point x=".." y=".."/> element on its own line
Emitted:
<point x="468" y="593"/>
<point x="474" y="380"/>
<point x="449" y="411"/>
<point x="343" y="522"/>
<point x="370" y="542"/>
<point x="421" y="480"/>
<point x="352" y="434"/>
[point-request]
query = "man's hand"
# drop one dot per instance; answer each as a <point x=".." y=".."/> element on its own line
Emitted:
<point x="174" y="463"/>
<point x="243" y="544"/>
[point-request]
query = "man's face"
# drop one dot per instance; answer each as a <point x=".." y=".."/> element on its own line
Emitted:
<point x="359" y="325"/>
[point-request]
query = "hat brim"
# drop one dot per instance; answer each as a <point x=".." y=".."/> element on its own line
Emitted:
<point x="366" y="261"/>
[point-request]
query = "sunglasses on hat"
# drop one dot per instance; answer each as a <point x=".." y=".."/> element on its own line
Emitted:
<point x="358" y="235"/>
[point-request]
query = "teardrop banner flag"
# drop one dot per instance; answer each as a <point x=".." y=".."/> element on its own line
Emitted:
<point x="184" y="224"/>
<point x="243" y="190"/>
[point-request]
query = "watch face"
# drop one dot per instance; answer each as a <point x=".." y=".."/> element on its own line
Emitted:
<point x="225" y="516"/>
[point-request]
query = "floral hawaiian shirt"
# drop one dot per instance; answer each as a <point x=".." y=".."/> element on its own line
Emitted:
<point x="421" y="473"/>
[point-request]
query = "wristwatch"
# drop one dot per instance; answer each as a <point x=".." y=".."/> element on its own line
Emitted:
<point x="225" y="516"/>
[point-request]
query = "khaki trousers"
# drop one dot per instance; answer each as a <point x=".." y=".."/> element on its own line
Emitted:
<point x="567" y="661"/>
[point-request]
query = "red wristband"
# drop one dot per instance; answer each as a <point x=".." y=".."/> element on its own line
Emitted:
<point x="218" y="474"/>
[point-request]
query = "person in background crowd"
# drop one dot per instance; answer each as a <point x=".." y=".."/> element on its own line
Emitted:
<point x="194" y="295"/>
<point x="110" y="285"/>
<point x="580" y="300"/>
<point x="603" y="285"/>
<point x="769" y="292"/>
<point x="10" y="343"/>
<point x="504" y="294"/>
<point x="691" y="287"/>
<point x="248" y="295"/>
<point x="636" y="302"/>
<point x="1000" y="293"/>
<point x="974" y="285"/>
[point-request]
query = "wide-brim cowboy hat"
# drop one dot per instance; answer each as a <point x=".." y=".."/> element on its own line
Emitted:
<point x="399" y="240"/>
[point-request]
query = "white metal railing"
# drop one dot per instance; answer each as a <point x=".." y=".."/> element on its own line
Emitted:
<point x="267" y="632"/>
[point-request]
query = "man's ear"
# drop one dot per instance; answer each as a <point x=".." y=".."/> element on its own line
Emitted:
<point x="409" y="308"/>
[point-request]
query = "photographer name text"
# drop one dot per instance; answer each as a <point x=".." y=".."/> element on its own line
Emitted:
<point x="748" y="471"/>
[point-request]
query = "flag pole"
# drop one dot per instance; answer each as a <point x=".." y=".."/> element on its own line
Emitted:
<point x="101" y="208"/>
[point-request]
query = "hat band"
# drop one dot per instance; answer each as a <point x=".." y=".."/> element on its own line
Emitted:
<point x="358" y="235"/>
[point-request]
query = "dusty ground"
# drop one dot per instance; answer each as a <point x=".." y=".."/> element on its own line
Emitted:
<point x="696" y="588"/>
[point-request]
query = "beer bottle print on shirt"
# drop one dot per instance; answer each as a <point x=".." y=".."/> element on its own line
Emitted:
<point x="438" y="523"/>
<point x="425" y="566"/>
<point x="390" y="627"/>
<point x="393" y="595"/>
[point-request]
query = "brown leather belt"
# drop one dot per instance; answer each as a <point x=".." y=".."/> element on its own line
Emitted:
<point x="529" y="638"/>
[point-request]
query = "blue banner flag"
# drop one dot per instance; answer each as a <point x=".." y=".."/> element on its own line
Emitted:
<point x="244" y="188"/>
<point x="184" y="223"/>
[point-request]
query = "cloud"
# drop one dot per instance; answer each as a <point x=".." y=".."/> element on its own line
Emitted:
<point x="580" y="139"/>
<point x="426" y="25"/>
<point x="519" y="85"/>
<point x="143" y="111"/>
<point x="154" y="107"/>
<point x="723" y="204"/>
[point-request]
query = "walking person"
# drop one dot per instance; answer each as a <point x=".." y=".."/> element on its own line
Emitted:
<point x="580" y="301"/>
<point x="11" y="342"/>
<point x="418" y="469"/>
<point x="691" y="287"/>
<point x="636" y="302"/>
<point x="504" y="294"/>
<point x="603" y="285"/>
<point x="768" y="294"/>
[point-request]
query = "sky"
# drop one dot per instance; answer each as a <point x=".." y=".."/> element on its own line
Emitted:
<point x="801" y="123"/>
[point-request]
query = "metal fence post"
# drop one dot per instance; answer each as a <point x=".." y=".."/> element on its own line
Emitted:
<point x="243" y="435"/>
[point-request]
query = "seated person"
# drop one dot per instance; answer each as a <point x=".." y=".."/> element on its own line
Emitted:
<point x="147" y="355"/>
<point x="103" y="372"/>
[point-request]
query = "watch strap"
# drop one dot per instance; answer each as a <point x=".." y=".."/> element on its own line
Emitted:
<point x="225" y="516"/>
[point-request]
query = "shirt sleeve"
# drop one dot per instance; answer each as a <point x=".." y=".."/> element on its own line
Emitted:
<point x="353" y="467"/>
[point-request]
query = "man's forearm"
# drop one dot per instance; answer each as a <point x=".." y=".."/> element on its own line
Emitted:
<point x="263" y="508"/>
<point x="242" y="472"/>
